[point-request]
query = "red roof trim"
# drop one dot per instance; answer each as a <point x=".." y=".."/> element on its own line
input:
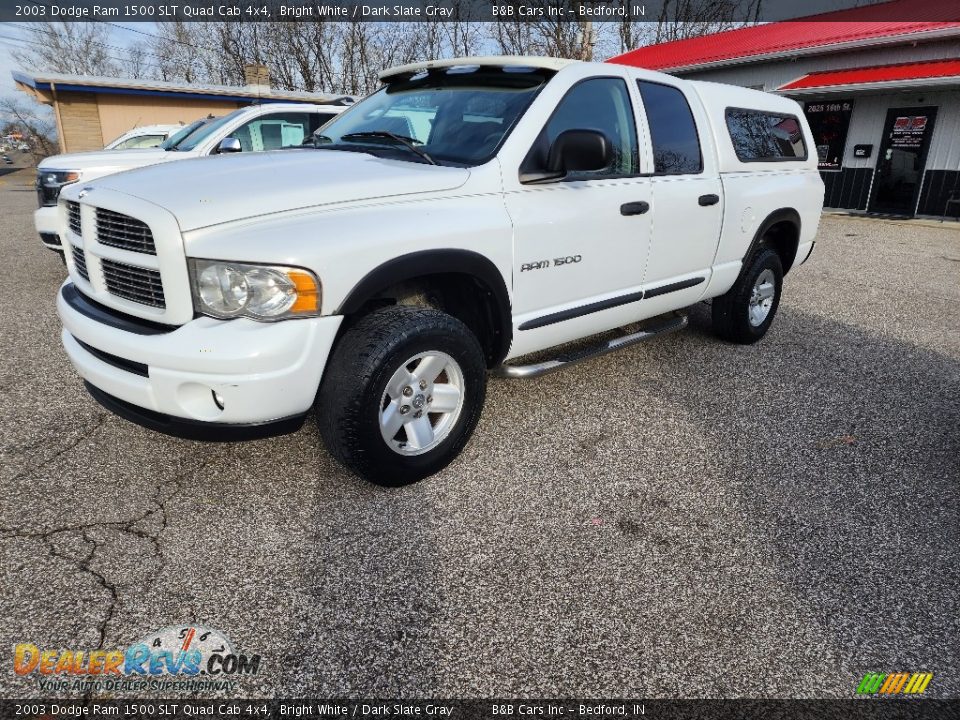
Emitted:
<point x="864" y="25"/>
<point x="877" y="74"/>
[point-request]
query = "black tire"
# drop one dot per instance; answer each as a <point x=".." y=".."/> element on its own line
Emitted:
<point x="731" y="312"/>
<point x="348" y="404"/>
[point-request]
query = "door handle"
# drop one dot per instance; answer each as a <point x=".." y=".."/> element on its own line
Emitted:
<point x="634" y="208"/>
<point x="711" y="199"/>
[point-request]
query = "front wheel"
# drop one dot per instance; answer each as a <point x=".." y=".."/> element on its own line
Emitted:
<point x="402" y="394"/>
<point x="744" y="314"/>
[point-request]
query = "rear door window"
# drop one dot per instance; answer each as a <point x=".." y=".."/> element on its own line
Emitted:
<point x="673" y="131"/>
<point x="760" y="136"/>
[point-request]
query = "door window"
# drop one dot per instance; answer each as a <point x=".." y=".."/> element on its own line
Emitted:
<point x="272" y="132"/>
<point x="601" y="104"/>
<point x="673" y="131"/>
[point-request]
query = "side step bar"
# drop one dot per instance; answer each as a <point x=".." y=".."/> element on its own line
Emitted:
<point x="528" y="371"/>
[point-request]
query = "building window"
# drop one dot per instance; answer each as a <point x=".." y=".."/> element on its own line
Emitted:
<point x="765" y="137"/>
<point x="829" y="122"/>
<point x="676" y="145"/>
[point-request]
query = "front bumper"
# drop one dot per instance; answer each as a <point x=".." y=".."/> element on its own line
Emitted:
<point x="46" y="221"/>
<point x="193" y="429"/>
<point x="261" y="373"/>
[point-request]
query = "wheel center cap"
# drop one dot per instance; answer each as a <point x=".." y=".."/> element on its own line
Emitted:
<point x="418" y="401"/>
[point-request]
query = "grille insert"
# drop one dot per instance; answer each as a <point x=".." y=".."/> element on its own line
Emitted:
<point x="73" y="216"/>
<point x="80" y="260"/>
<point x="124" y="232"/>
<point x="141" y="285"/>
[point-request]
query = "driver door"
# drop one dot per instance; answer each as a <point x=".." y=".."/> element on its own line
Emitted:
<point x="581" y="244"/>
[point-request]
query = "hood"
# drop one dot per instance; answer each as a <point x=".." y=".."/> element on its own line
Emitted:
<point x="106" y="161"/>
<point x="215" y="190"/>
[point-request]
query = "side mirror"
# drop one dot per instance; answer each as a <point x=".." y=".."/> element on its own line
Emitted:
<point x="229" y="145"/>
<point x="573" y="151"/>
<point x="579" y="151"/>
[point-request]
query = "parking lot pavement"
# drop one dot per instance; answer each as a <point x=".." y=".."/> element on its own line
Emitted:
<point x="682" y="518"/>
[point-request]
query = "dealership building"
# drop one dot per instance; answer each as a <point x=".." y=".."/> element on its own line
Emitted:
<point x="92" y="111"/>
<point x="882" y="96"/>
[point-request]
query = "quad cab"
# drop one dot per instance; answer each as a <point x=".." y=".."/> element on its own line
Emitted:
<point x="468" y="214"/>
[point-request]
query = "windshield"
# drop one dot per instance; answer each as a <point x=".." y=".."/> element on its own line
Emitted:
<point x="448" y="116"/>
<point x="202" y="133"/>
<point x="138" y="141"/>
<point x="172" y="141"/>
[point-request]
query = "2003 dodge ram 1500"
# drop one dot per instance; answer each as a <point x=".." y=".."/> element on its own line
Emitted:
<point x="469" y="213"/>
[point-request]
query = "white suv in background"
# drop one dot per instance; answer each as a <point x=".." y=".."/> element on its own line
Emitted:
<point x="270" y="126"/>
<point x="145" y="136"/>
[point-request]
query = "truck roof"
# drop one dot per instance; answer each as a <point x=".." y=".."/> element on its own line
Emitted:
<point x="485" y="60"/>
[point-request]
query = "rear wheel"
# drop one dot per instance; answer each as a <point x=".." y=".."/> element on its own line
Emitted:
<point x="402" y="394"/>
<point x="744" y="314"/>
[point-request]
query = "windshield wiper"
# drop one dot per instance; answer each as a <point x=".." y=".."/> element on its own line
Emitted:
<point x="407" y="142"/>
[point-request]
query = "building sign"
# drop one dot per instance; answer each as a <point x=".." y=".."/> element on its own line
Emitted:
<point x="908" y="131"/>
<point x="829" y="122"/>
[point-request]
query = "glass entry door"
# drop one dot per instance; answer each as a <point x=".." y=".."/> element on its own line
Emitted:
<point x="902" y="158"/>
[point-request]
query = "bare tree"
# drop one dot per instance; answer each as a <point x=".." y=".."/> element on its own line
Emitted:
<point x="137" y="62"/>
<point x="69" y="47"/>
<point x="34" y="120"/>
<point x="346" y="57"/>
<point x="681" y="19"/>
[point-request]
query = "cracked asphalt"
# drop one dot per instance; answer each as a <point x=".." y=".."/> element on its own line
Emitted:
<point x="684" y="518"/>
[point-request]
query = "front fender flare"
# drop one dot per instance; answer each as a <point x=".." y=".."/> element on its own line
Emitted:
<point x="441" y="262"/>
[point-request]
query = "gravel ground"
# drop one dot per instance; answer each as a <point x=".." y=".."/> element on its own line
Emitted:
<point x="766" y="521"/>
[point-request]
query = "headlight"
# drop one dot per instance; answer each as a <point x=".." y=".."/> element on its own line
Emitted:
<point x="56" y="178"/>
<point x="50" y="182"/>
<point x="262" y="292"/>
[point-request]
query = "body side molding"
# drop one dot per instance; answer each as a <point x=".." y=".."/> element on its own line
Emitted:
<point x="581" y="310"/>
<point x="609" y="303"/>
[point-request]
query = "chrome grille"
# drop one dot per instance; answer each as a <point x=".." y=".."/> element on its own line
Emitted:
<point x="73" y="216"/>
<point x="142" y="285"/>
<point x="121" y="231"/>
<point x="80" y="260"/>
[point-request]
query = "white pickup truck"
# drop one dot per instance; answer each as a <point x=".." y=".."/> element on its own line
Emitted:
<point x="258" y="127"/>
<point x="468" y="214"/>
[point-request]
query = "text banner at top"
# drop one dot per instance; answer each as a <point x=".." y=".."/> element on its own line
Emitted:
<point x="532" y="11"/>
